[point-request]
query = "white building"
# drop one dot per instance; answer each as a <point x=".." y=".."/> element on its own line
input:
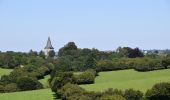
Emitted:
<point x="48" y="47"/>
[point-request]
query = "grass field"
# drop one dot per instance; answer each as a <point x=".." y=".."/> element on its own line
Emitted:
<point x="128" y="79"/>
<point x="44" y="94"/>
<point x="45" y="81"/>
<point x="5" y="71"/>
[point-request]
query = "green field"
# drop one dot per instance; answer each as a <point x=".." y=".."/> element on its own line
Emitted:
<point x="5" y="71"/>
<point x="45" y="81"/>
<point x="44" y="94"/>
<point x="128" y="79"/>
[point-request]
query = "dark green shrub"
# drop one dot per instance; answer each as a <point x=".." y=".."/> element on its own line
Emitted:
<point x="70" y="91"/>
<point x="166" y="62"/>
<point x="160" y="91"/>
<point x="112" y="97"/>
<point x="27" y="83"/>
<point x="2" y="89"/>
<point x="110" y="91"/>
<point x="12" y="87"/>
<point x="87" y="77"/>
<point x="131" y="94"/>
<point x="60" y="80"/>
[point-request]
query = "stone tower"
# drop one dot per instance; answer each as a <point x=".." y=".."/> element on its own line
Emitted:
<point x="48" y="47"/>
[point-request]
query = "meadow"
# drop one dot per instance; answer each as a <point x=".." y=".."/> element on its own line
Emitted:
<point x="5" y="71"/>
<point x="126" y="79"/>
<point x="45" y="81"/>
<point x="43" y="94"/>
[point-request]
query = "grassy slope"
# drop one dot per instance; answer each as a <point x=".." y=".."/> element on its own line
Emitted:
<point x="4" y="71"/>
<point x="128" y="79"/>
<point x="45" y="81"/>
<point x="44" y="94"/>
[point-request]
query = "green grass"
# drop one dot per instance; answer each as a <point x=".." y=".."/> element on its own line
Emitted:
<point x="44" y="94"/>
<point x="45" y="81"/>
<point x="126" y="79"/>
<point x="5" y="71"/>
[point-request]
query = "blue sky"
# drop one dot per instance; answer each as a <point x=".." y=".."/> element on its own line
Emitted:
<point x="101" y="24"/>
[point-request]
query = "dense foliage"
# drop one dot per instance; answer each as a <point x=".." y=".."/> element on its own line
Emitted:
<point x="32" y="66"/>
<point x="139" y="64"/>
<point x="28" y="68"/>
<point x="70" y="59"/>
<point x="87" y="77"/>
<point x="72" y="92"/>
<point x="160" y="91"/>
<point x="27" y="83"/>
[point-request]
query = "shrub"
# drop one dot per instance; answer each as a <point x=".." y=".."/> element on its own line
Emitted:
<point x="148" y="64"/>
<point x="70" y="91"/>
<point x="166" y="62"/>
<point x="112" y="97"/>
<point x="131" y="94"/>
<point x="160" y="91"/>
<point x="1" y="88"/>
<point x="12" y="87"/>
<point x="27" y="83"/>
<point x="60" y="80"/>
<point x="87" y="77"/>
<point x="110" y="91"/>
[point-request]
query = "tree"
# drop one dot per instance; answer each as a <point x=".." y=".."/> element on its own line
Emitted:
<point x="90" y="63"/>
<point x="33" y="53"/>
<point x="166" y="62"/>
<point x="51" y="53"/>
<point x="68" y="49"/>
<point x="129" y="52"/>
<point x="42" y="54"/>
<point x="135" y="53"/>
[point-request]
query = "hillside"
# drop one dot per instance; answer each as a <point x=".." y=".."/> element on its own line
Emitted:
<point x="44" y="94"/>
<point x="4" y="71"/>
<point x="128" y="79"/>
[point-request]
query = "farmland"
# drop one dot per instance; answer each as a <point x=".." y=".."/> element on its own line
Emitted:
<point x="126" y="79"/>
<point x="43" y="94"/>
<point x="5" y="71"/>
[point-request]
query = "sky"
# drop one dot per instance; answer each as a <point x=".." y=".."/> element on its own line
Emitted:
<point x="101" y="24"/>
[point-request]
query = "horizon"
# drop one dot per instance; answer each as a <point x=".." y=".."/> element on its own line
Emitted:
<point x="104" y="25"/>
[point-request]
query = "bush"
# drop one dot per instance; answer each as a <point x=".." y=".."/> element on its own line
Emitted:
<point x="71" y="90"/>
<point x="87" y="77"/>
<point x="131" y="94"/>
<point x="148" y="64"/>
<point x="2" y="89"/>
<point x="160" y="91"/>
<point x="27" y="83"/>
<point x="166" y="62"/>
<point x="60" y="80"/>
<point x="110" y="91"/>
<point x="112" y="97"/>
<point x="12" y="87"/>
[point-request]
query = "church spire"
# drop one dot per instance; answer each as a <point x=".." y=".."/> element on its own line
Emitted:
<point x="49" y="45"/>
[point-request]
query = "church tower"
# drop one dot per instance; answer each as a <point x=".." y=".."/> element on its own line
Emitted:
<point x="48" y="47"/>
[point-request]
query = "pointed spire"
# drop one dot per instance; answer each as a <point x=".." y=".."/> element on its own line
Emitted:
<point x="49" y="45"/>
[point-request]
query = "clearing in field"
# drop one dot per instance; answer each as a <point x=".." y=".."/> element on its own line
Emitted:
<point x="5" y="71"/>
<point x="126" y="79"/>
<point x="43" y="94"/>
